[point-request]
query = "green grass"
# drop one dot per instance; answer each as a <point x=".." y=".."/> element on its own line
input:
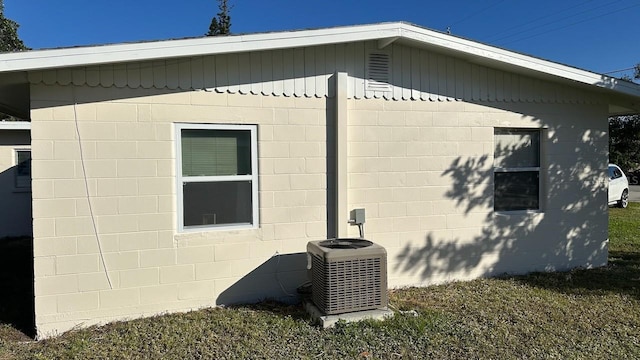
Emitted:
<point x="581" y="314"/>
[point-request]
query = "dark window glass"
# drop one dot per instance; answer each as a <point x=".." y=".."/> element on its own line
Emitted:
<point x="516" y="191"/>
<point x="23" y="169"/>
<point x="217" y="203"/>
<point x="614" y="172"/>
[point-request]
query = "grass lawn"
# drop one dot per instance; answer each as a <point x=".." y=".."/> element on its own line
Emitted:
<point x="581" y="314"/>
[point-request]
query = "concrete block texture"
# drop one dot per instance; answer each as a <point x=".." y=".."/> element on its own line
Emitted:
<point x="438" y="219"/>
<point x="423" y="170"/>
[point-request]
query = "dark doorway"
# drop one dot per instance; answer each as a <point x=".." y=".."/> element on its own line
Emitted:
<point x="16" y="281"/>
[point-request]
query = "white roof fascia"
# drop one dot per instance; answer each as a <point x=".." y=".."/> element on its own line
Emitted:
<point x="15" y="125"/>
<point x="104" y="54"/>
<point x="479" y="50"/>
<point x="144" y="51"/>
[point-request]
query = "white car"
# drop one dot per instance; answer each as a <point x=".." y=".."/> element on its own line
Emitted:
<point x="618" y="187"/>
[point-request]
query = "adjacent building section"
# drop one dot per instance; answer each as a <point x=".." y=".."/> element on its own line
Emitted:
<point x="15" y="179"/>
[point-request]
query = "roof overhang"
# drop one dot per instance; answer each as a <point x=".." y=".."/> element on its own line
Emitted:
<point x="14" y="94"/>
<point x="15" y="125"/>
<point x="626" y="93"/>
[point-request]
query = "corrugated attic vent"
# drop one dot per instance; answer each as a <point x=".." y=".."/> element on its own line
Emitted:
<point x="378" y="73"/>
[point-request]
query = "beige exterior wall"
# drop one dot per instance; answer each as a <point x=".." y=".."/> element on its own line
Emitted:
<point x="128" y="155"/>
<point x="421" y="169"/>
<point x="15" y="207"/>
<point x="424" y="173"/>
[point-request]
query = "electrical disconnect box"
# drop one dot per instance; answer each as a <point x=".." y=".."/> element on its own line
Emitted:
<point x="357" y="216"/>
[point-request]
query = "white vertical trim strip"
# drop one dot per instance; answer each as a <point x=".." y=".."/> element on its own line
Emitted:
<point x="459" y="79"/>
<point x="406" y="73"/>
<point x="197" y="73"/>
<point x="63" y="76"/>
<point x="79" y="76"/>
<point x="120" y="75"/>
<point x="160" y="73"/>
<point x="133" y="75"/>
<point x="320" y="72"/>
<point x="298" y="72"/>
<point x="233" y="63"/>
<point x="146" y="75"/>
<point x="433" y="77"/>
<point x="499" y="76"/>
<point x="172" y="71"/>
<point x="106" y="75"/>
<point x="358" y="75"/>
<point x="278" y="75"/>
<point x="330" y="66"/>
<point x="450" y="79"/>
<point x="309" y="72"/>
<point x="209" y="72"/>
<point x="442" y="78"/>
<point x="257" y="76"/>
<point x="396" y="66"/>
<point x="424" y="75"/>
<point x="222" y="73"/>
<point x="288" y="73"/>
<point x="267" y="73"/>
<point x="244" y="73"/>
<point x="416" y="79"/>
<point x="349" y="58"/>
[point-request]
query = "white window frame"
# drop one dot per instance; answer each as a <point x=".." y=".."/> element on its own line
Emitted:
<point x="180" y="179"/>
<point x="15" y="177"/>
<point x="523" y="169"/>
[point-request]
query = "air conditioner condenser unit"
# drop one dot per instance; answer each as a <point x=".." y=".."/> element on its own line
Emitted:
<point x="347" y="275"/>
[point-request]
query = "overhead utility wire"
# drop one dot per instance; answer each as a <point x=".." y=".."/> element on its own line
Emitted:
<point x="556" y="21"/>
<point x="473" y="14"/>
<point x="536" y="20"/>
<point x="619" y="71"/>
<point x="572" y="24"/>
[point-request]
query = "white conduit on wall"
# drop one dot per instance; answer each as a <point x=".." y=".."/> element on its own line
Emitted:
<point x="86" y="186"/>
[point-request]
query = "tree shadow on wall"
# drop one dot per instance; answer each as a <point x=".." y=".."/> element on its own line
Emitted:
<point x="570" y="231"/>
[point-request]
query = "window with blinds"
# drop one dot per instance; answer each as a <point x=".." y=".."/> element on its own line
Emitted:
<point x="217" y="176"/>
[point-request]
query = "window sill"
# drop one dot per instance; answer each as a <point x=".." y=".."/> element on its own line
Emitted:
<point x="517" y="212"/>
<point x="196" y="229"/>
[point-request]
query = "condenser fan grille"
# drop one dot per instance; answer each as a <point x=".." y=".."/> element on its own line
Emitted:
<point x="345" y="243"/>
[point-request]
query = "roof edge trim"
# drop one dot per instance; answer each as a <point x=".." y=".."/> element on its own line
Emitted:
<point x="131" y="52"/>
<point x="15" y="125"/>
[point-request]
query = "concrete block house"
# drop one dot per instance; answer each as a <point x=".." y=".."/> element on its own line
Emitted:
<point x="175" y="175"/>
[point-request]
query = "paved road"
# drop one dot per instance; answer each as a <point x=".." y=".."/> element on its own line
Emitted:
<point x="634" y="193"/>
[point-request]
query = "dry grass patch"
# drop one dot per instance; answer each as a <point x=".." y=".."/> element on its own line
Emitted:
<point x="573" y="315"/>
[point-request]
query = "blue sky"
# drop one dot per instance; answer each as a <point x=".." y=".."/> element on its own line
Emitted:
<point x="596" y="35"/>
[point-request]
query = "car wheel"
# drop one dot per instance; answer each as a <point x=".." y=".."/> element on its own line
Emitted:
<point x="624" y="199"/>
